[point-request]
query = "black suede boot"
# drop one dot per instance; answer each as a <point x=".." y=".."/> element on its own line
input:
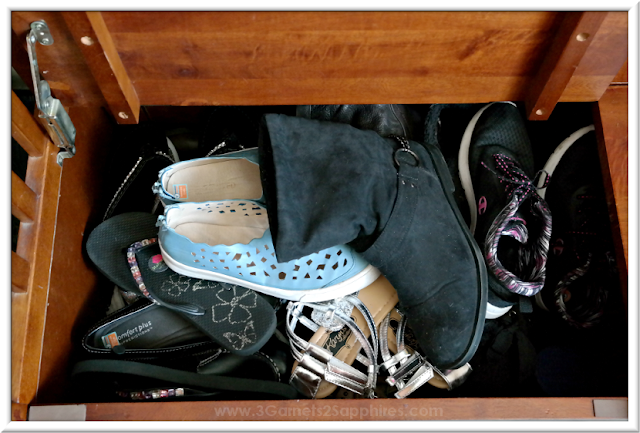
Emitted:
<point x="328" y="184"/>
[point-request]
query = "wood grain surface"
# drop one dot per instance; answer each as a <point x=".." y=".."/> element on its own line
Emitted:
<point x="20" y="271"/>
<point x="20" y="59"/>
<point x="25" y="130"/>
<point x="288" y="58"/>
<point x="23" y="200"/>
<point x="76" y="297"/>
<point x="569" y="45"/>
<point x="95" y="43"/>
<point x="602" y="61"/>
<point x="611" y="120"/>
<point x="19" y="412"/>
<point x="35" y="243"/>
<point x="436" y="409"/>
<point x="622" y="77"/>
<point x="61" y="64"/>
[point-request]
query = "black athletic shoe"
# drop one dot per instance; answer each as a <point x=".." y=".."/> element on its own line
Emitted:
<point x="581" y="267"/>
<point x="510" y="221"/>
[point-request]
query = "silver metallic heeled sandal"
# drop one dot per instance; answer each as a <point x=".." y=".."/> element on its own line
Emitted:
<point x="317" y="364"/>
<point x="408" y="370"/>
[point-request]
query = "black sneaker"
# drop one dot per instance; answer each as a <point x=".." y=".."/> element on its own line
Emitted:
<point x="510" y="221"/>
<point x="581" y="264"/>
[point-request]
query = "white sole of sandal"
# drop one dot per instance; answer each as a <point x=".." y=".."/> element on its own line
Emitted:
<point x="354" y="284"/>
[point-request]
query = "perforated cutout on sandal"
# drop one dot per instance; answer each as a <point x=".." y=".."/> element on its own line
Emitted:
<point x="246" y="241"/>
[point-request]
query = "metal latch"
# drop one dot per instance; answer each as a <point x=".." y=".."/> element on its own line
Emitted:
<point x="51" y="113"/>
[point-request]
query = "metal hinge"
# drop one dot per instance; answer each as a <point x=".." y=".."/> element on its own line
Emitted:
<point x="51" y="113"/>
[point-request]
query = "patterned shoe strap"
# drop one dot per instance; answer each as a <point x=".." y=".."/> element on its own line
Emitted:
<point x="137" y="275"/>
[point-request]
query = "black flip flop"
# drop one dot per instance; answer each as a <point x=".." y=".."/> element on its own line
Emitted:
<point x="124" y="249"/>
<point x="107" y="378"/>
<point x="147" y="332"/>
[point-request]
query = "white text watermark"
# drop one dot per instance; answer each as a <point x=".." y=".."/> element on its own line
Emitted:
<point x="326" y="412"/>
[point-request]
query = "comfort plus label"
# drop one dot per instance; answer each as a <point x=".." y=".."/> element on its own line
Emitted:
<point x="114" y="339"/>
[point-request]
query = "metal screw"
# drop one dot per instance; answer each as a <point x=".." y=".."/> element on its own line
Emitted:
<point x="123" y="115"/>
<point x="86" y="40"/>
<point x="540" y="112"/>
<point x="583" y="37"/>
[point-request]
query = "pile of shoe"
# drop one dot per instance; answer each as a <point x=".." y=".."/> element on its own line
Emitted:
<point x="388" y="256"/>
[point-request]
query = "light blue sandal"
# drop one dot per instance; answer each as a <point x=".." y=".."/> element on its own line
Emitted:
<point x="230" y="241"/>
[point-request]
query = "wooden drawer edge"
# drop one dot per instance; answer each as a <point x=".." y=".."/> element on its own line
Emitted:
<point x="437" y="409"/>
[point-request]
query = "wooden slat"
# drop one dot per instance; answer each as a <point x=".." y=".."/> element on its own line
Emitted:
<point x="93" y="38"/>
<point x="435" y="409"/>
<point x="574" y="36"/>
<point x="20" y="270"/>
<point x="35" y="243"/>
<point x="611" y="121"/>
<point x="25" y="130"/>
<point x="602" y="61"/>
<point x="23" y="200"/>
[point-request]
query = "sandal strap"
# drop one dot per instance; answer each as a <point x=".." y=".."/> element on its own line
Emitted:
<point x="407" y="371"/>
<point x="316" y="364"/>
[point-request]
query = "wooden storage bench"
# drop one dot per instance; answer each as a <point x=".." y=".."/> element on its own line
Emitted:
<point x="105" y="66"/>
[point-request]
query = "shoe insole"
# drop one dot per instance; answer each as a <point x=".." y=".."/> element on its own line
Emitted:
<point x="214" y="234"/>
<point x="219" y="223"/>
<point x="151" y="327"/>
<point x="379" y="297"/>
<point x="215" y="179"/>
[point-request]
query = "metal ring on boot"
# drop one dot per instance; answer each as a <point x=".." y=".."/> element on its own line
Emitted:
<point x="405" y="148"/>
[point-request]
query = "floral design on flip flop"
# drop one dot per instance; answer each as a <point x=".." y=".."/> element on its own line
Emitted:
<point x="241" y="339"/>
<point x="205" y="284"/>
<point x="235" y="305"/>
<point x="176" y="285"/>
